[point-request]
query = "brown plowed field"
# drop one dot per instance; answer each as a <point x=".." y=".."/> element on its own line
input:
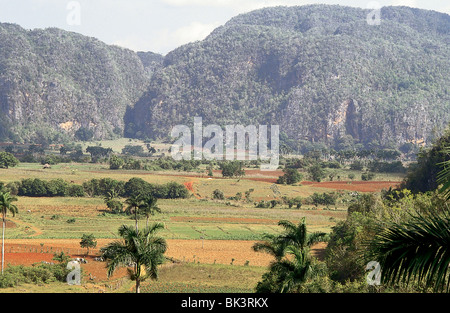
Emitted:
<point x="208" y="251"/>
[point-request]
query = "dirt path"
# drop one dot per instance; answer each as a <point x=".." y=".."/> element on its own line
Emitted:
<point x="190" y="186"/>
<point x="37" y="231"/>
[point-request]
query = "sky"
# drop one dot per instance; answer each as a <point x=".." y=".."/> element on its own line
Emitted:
<point x="158" y="25"/>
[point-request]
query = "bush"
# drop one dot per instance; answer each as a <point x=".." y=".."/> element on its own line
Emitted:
<point x="263" y="204"/>
<point x="115" y="162"/>
<point x="38" y="188"/>
<point x="326" y="199"/>
<point x="218" y="195"/>
<point x="232" y="169"/>
<point x="57" y="188"/>
<point x="7" y="160"/>
<point x="133" y="150"/>
<point x="316" y="172"/>
<point x="115" y="206"/>
<point x="367" y="176"/>
<point x="32" y="188"/>
<point x="291" y="176"/>
<point x="75" y="191"/>
<point x="386" y="167"/>
<point x="357" y="166"/>
<point x="37" y="274"/>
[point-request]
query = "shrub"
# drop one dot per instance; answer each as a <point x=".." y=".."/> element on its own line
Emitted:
<point x="115" y="162"/>
<point x="316" y="172"/>
<point x="7" y="160"/>
<point x="357" y="166"/>
<point x="115" y="206"/>
<point x="326" y="199"/>
<point x="232" y="169"/>
<point x="367" y="176"/>
<point x="291" y="176"/>
<point x="37" y="274"/>
<point x="75" y="191"/>
<point x="218" y="195"/>
<point x="56" y="188"/>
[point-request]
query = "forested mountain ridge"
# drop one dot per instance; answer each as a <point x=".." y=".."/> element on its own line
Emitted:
<point x="321" y="72"/>
<point x="54" y="83"/>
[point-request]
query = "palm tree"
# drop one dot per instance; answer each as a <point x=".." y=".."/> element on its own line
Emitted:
<point x="142" y="252"/>
<point x="419" y="248"/>
<point x="416" y="249"/>
<point x="271" y="245"/>
<point x="133" y="204"/>
<point x="297" y="236"/>
<point x="293" y="264"/>
<point x="293" y="271"/>
<point x="443" y="176"/>
<point x="148" y="207"/>
<point x="6" y="205"/>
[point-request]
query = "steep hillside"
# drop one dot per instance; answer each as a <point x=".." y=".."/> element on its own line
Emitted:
<point x="320" y="72"/>
<point x="54" y="83"/>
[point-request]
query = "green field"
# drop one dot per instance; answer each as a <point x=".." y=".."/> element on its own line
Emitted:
<point x="198" y="217"/>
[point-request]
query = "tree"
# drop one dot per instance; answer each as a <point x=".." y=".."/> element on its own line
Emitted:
<point x="133" y="204"/>
<point x="232" y="169"/>
<point x="149" y="207"/>
<point x="114" y="205"/>
<point x="141" y="249"/>
<point x="443" y="177"/>
<point x="416" y="249"/>
<point x="292" y="272"/>
<point x="316" y="172"/>
<point x="218" y="194"/>
<point x="6" y="205"/>
<point x="88" y="241"/>
<point x="293" y="264"/>
<point x="297" y="201"/>
<point x="84" y="134"/>
<point x="133" y="150"/>
<point x="291" y="176"/>
<point x="423" y="175"/>
<point x="326" y="199"/>
<point x="7" y="160"/>
<point x="115" y="162"/>
<point x="98" y="152"/>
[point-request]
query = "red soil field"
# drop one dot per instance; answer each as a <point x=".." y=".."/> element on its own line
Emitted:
<point x="209" y="251"/>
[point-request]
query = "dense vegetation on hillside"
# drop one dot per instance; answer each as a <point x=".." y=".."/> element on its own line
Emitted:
<point x="320" y="72"/>
<point x="54" y="83"/>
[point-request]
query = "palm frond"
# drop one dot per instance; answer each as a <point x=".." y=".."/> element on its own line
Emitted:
<point x="418" y="249"/>
<point x="443" y="177"/>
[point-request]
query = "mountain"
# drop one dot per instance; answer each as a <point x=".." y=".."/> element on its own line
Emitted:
<point x="321" y="72"/>
<point x="54" y="83"/>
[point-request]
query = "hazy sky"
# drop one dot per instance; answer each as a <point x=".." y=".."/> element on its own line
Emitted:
<point x="156" y="25"/>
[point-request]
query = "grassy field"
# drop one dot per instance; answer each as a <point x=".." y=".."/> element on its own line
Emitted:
<point x="206" y="235"/>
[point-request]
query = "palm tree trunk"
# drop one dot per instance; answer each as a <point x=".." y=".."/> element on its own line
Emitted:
<point x="3" y="242"/>
<point x="138" y="286"/>
<point x="136" y="218"/>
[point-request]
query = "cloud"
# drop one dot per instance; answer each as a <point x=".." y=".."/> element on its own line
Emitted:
<point x="407" y="3"/>
<point x="236" y="5"/>
<point x="166" y="39"/>
<point x="192" y="32"/>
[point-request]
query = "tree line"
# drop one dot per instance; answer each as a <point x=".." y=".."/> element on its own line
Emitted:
<point x="35" y="187"/>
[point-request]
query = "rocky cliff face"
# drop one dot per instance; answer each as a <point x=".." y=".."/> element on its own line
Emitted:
<point x="52" y="83"/>
<point x="320" y="72"/>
